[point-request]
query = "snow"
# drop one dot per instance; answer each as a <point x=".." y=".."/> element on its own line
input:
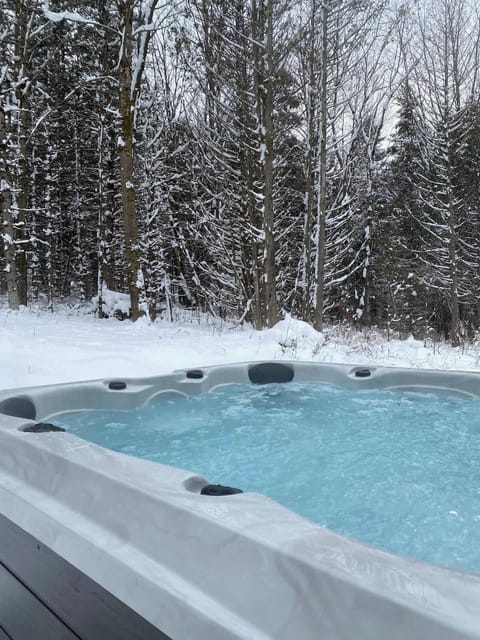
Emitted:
<point x="289" y="333"/>
<point x="140" y="282"/>
<point x="262" y="150"/>
<point x="55" y="16"/>
<point x="38" y="347"/>
<point x="113" y="301"/>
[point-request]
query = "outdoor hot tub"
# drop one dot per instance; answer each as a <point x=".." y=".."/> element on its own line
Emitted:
<point x="98" y="544"/>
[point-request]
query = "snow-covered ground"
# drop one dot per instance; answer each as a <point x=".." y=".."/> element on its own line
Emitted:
<point x="37" y="347"/>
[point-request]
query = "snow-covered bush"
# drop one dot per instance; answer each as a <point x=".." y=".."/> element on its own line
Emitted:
<point x="115" y="304"/>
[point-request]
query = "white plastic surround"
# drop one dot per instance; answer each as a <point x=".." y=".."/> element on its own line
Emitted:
<point x="220" y="568"/>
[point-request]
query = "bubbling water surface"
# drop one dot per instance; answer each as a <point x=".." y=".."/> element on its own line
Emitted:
<point x="399" y="470"/>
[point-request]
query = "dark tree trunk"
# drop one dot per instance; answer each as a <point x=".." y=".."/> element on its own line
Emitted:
<point x="129" y="203"/>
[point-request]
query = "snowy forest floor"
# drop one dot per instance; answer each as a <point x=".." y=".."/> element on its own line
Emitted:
<point x="38" y="347"/>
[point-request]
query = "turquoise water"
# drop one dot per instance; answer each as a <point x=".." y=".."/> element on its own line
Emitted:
<point x="398" y="470"/>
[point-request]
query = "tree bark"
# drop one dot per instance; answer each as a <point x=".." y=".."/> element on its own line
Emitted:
<point x="262" y="32"/>
<point x="21" y="42"/>
<point x="126" y="142"/>
<point x="8" y="232"/>
<point x="311" y="144"/>
<point x="322" y="177"/>
<point x="454" y="302"/>
<point x="14" y="163"/>
<point x="270" y="275"/>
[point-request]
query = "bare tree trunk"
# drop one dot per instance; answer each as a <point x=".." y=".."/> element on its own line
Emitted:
<point x="101" y="220"/>
<point x="14" y="167"/>
<point x="21" y="41"/>
<point x="129" y="204"/>
<point x="454" y="302"/>
<point x="311" y="114"/>
<point x="452" y="79"/>
<point x="22" y="203"/>
<point x="110" y="210"/>
<point x="8" y="232"/>
<point x="252" y="273"/>
<point x="322" y="177"/>
<point x="270" y="275"/>
<point x="454" y="329"/>
<point x="262" y="31"/>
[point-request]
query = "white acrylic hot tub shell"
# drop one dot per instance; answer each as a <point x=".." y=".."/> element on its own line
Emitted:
<point x="220" y="568"/>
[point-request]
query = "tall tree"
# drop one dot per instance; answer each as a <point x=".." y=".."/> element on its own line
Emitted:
<point x="130" y="71"/>
<point x="263" y="56"/>
<point x="349" y="72"/>
<point x="16" y="24"/>
<point x="446" y="78"/>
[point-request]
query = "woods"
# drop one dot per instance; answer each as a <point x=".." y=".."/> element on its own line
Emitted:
<point x="245" y="158"/>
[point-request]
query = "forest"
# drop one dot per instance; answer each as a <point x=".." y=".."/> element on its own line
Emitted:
<point x="245" y="158"/>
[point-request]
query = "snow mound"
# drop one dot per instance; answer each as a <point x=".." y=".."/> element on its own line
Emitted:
<point x="114" y="303"/>
<point x="292" y="333"/>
